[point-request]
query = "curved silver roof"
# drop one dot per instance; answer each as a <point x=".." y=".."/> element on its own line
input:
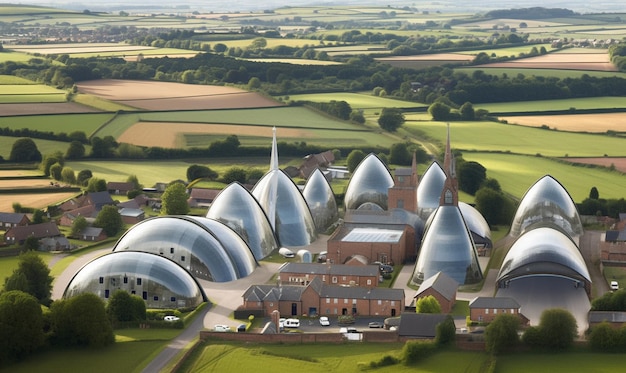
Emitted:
<point x="429" y="190"/>
<point x="285" y="208"/>
<point x="158" y="280"/>
<point x="547" y="203"/>
<point x="370" y="182"/>
<point x="475" y="220"/>
<point x="543" y="251"/>
<point x="321" y="200"/>
<point x="235" y="207"/>
<point x="448" y="247"/>
<point x="201" y="248"/>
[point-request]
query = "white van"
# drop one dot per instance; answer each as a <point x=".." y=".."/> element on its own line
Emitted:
<point x="292" y="323"/>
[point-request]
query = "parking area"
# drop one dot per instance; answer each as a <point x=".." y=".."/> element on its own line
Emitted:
<point x="312" y="325"/>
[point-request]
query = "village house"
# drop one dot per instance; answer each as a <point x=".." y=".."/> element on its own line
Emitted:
<point x="88" y="212"/>
<point x="10" y="220"/>
<point x="17" y="235"/>
<point x="132" y="216"/>
<point x="119" y="188"/>
<point x="485" y="309"/>
<point x="92" y="234"/>
<point x="202" y="197"/>
<point x="442" y="287"/>
<point x="331" y="274"/>
<point x="317" y="298"/>
<point x="419" y="325"/>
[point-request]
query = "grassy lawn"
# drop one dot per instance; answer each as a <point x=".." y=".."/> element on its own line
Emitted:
<point x="615" y="274"/>
<point x="578" y="103"/>
<point x="356" y="100"/>
<point x="575" y="361"/>
<point x="57" y="123"/>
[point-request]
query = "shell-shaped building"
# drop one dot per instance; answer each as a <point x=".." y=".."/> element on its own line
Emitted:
<point x="320" y="198"/>
<point x="369" y="183"/>
<point x="160" y="282"/>
<point x="206" y="248"/>
<point x="544" y="269"/>
<point x="429" y="190"/>
<point x="547" y="203"/>
<point x="448" y="247"/>
<point x="477" y="224"/>
<point x="286" y="209"/>
<point x="235" y="207"/>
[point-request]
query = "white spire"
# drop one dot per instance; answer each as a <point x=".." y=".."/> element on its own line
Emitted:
<point x="274" y="156"/>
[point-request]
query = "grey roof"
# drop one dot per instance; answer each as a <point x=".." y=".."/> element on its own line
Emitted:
<point x="11" y="217"/>
<point x="440" y="282"/>
<point x="494" y="302"/>
<point x="610" y="316"/>
<point x="369" y="183"/>
<point x="100" y="198"/>
<point x="274" y="293"/>
<point x="91" y="232"/>
<point x="357" y="292"/>
<point x="611" y="236"/>
<point x="130" y="212"/>
<point x="331" y="269"/>
<point x="420" y="325"/>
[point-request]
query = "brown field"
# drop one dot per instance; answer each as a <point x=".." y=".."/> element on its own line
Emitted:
<point x="44" y="108"/>
<point x="170" y="135"/>
<point x="595" y="123"/>
<point x="150" y="95"/>
<point x="567" y="61"/>
<point x="23" y="183"/>
<point x="430" y="57"/>
<point x="32" y="200"/>
<point x="618" y="163"/>
<point x="77" y="48"/>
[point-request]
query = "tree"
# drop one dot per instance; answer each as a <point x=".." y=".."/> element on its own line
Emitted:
<point x="38" y="216"/>
<point x="83" y="177"/>
<point x="37" y="274"/>
<point x="439" y="111"/>
<point x="604" y="338"/>
<point x="123" y="307"/>
<point x="174" y="200"/>
<point x="501" y="333"/>
<point x="68" y="176"/>
<point x="445" y="331"/>
<point x="96" y="185"/>
<point x="254" y="83"/>
<point x="55" y="171"/>
<point x="593" y="193"/>
<point x="200" y="172"/>
<point x="135" y="181"/>
<point x="31" y="243"/>
<point x="399" y="154"/>
<point x="557" y="330"/>
<point x="24" y="150"/>
<point x="471" y="176"/>
<point x="78" y="225"/>
<point x="427" y="304"/>
<point x="354" y="158"/>
<point x="234" y="174"/>
<point x="467" y="111"/>
<point x="391" y="119"/>
<point x="494" y="206"/>
<point x="50" y="159"/>
<point x="110" y="220"/>
<point x="101" y="148"/>
<point x="81" y="321"/>
<point x="21" y="327"/>
<point x="75" y="150"/>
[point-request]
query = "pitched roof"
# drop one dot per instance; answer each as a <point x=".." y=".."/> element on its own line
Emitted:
<point x="134" y="213"/>
<point x="121" y="186"/>
<point x="100" y="198"/>
<point x="131" y="203"/>
<point x="420" y="325"/>
<point x="20" y="233"/>
<point x="203" y="193"/>
<point x="441" y="283"/>
<point x="91" y="232"/>
<point x="11" y="217"/>
<point x="88" y="211"/>
<point x="332" y="269"/>
<point x="610" y="316"/>
<point x="494" y="302"/>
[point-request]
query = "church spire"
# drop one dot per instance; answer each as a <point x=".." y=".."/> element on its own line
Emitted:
<point x="274" y="156"/>
<point x="450" y="193"/>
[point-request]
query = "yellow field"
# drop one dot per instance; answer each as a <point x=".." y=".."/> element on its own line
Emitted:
<point x="38" y="201"/>
<point x="170" y="135"/>
<point x="596" y="123"/>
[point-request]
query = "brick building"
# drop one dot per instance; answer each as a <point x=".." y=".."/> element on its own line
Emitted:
<point x="485" y="309"/>
<point x="442" y="287"/>
<point x="330" y="274"/>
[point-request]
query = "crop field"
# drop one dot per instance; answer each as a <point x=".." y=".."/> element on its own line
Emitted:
<point x="38" y="201"/>
<point x="545" y="72"/>
<point x="566" y="104"/>
<point x="517" y="173"/>
<point x="296" y="61"/>
<point x="68" y="123"/>
<point x="30" y="93"/>
<point x="15" y="80"/>
<point x="357" y="100"/>
<point x="43" y="108"/>
<point x="618" y="163"/>
<point x="490" y="136"/>
<point x="594" y="123"/>
<point x="509" y="51"/>
<point x="562" y="61"/>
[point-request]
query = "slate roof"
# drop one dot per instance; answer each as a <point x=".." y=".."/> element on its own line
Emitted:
<point x="441" y="283"/>
<point x="333" y="269"/>
<point x="494" y="302"/>
<point x="610" y="316"/>
<point x="121" y="186"/>
<point x="419" y="325"/>
<point x="134" y="213"/>
<point x="100" y="199"/>
<point x="11" y="217"/>
<point x="42" y="230"/>
<point x="91" y="232"/>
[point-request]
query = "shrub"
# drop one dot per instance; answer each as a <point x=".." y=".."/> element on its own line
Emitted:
<point x="414" y="351"/>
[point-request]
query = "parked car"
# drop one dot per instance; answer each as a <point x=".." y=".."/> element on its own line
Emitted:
<point x="221" y="328"/>
<point x="171" y="318"/>
<point x="241" y="328"/>
<point x="292" y="323"/>
<point x="286" y="253"/>
<point x="614" y="285"/>
<point x="348" y="330"/>
<point x="324" y="321"/>
<point x="375" y="324"/>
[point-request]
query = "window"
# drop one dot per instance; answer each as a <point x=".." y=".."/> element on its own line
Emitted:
<point x="343" y="278"/>
<point x="172" y="299"/>
<point x="133" y="292"/>
<point x="345" y="300"/>
<point x="323" y="278"/>
<point x="139" y="281"/>
<point x="156" y="297"/>
<point x="400" y="203"/>
<point x="101" y="280"/>
<point x="448" y="196"/>
<point x="334" y="280"/>
<point x="144" y="295"/>
<point x="335" y="300"/>
<point x="400" y="179"/>
<point x="182" y="258"/>
<point x="486" y="311"/>
<point x="380" y="302"/>
<point x="171" y="250"/>
<point x="369" y="282"/>
<point x="271" y="304"/>
<point x="495" y="311"/>
<point x="393" y="303"/>
<point x="125" y="280"/>
<point x="106" y="293"/>
<point x="327" y="300"/>
<point x="512" y="310"/>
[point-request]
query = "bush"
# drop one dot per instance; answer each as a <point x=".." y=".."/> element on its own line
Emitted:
<point x="414" y="351"/>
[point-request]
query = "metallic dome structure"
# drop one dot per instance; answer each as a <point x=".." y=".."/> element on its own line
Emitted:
<point x="320" y="198"/>
<point x="429" y="190"/>
<point x="369" y="183"/>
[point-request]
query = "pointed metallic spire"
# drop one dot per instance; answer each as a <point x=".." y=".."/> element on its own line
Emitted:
<point x="274" y="156"/>
<point x="448" y="161"/>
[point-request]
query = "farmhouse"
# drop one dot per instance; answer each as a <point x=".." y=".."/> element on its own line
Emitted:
<point x="119" y="188"/>
<point x="485" y="309"/>
<point x="17" y="235"/>
<point x="9" y="220"/>
<point x="442" y="287"/>
<point x="419" y="325"/>
<point x="132" y="216"/>
<point x="202" y="197"/>
<point x="317" y="298"/>
<point x="88" y="212"/>
<point x="92" y="234"/>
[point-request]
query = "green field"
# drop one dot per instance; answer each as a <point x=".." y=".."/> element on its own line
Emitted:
<point x="19" y="90"/>
<point x="58" y="123"/>
<point x="517" y="173"/>
<point x="44" y="146"/>
<point x="556" y="73"/>
<point x="14" y="80"/>
<point x="575" y="361"/>
<point x="492" y="136"/>
<point x="357" y="100"/>
<point x="566" y="104"/>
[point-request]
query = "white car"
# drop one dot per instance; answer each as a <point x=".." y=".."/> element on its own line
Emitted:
<point x="324" y="321"/>
<point x="171" y="318"/>
<point x="614" y="285"/>
<point x="221" y="328"/>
